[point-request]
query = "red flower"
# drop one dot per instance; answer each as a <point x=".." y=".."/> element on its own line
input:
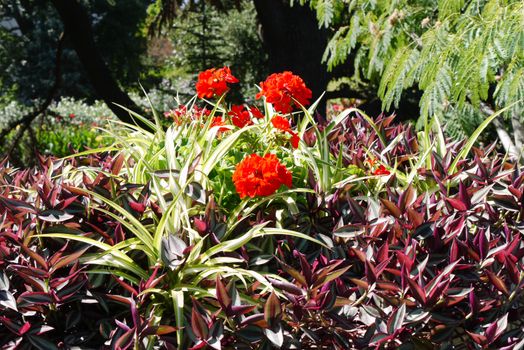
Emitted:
<point x="294" y="139"/>
<point x="181" y="115"/>
<point x="213" y="82"/>
<point x="240" y="117"/>
<point x="256" y="112"/>
<point x="260" y="176"/>
<point x="371" y="162"/>
<point x="198" y="112"/>
<point x="218" y="121"/>
<point x="178" y="115"/>
<point x="281" y="89"/>
<point x="72" y="115"/>
<point x="381" y="170"/>
<point x="283" y="124"/>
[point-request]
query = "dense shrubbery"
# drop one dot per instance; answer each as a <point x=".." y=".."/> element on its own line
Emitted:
<point x="68" y="125"/>
<point x="184" y="238"/>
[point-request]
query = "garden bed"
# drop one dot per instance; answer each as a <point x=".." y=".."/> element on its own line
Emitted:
<point x="243" y="227"/>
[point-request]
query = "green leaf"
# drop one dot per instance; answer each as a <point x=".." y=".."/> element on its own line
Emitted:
<point x="232" y="244"/>
<point x="41" y="343"/>
<point x="223" y="148"/>
<point x="120" y="259"/>
<point x="178" y="304"/>
<point x="325" y="12"/>
<point x="278" y="231"/>
<point x="473" y="138"/>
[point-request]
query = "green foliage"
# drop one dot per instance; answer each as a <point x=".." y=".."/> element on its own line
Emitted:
<point x="62" y="141"/>
<point x="56" y="139"/>
<point x="206" y="37"/>
<point x="29" y="32"/>
<point x="68" y="125"/>
<point x="459" y="54"/>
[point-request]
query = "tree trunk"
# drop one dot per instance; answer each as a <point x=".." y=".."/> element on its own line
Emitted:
<point x="77" y="26"/>
<point x="505" y="139"/>
<point x="294" y="42"/>
<point x="518" y="131"/>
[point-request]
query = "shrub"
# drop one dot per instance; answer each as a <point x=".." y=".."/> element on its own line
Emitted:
<point x="68" y="126"/>
<point x="383" y="238"/>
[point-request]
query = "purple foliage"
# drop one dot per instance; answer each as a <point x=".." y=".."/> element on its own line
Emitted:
<point x="437" y="264"/>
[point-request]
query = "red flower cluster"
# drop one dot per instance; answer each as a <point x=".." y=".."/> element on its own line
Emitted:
<point x="219" y="121"/>
<point x="181" y="115"/>
<point x="381" y="170"/>
<point x="283" y="124"/>
<point x="240" y="116"/>
<point x="213" y="82"/>
<point x="281" y="88"/>
<point x="260" y="176"/>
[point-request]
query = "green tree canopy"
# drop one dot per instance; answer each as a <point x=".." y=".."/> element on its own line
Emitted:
<point x="462" y="55"/>
<point x="30" y="30"/>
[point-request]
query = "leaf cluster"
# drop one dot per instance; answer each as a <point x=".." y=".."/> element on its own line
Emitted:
<point x="428" y="252"/>
<point x="458" y="53"/>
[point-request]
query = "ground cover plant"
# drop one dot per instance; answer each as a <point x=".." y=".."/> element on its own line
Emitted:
<point x="264" y="226"/>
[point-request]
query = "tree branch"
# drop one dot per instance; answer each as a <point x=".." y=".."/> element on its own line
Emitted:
<point x="518" y="131"/>
<point x="77" y="25"/>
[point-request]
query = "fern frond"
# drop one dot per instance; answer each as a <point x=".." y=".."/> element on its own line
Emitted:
<point x="393" y="80"/>
<point x="511" y="90"/>
<point x="447" y="8"/>
<point x="325" y="12"/>
<point x="436" y="94"/>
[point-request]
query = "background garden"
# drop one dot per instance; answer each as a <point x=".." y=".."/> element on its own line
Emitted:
<point x="262" y="174"/>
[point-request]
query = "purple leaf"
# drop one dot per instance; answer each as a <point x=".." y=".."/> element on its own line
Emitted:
<point x="457" y="204"/>
<point x="396" y="320"/>
<point x="288" y="287"/>
<point x="126" y="340"/>
<point x="199" y="324"/>
<point x="418" y="292"/>
<point x="36" y="298"/>
<point x="41" y="343"/>
<point x="391" y="207"/>
<point x="222" y="295"/>
<point x="498" y="283"/>
<point x="272" y="310"/>
<point x="294" y="273"/>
